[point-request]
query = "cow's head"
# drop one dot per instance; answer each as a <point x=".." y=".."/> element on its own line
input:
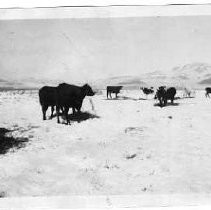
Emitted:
<point x="120" y="87"/>
<point x="88" y="90"/>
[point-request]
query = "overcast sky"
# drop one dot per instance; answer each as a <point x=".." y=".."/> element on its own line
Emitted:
<point x="90" y="48"/>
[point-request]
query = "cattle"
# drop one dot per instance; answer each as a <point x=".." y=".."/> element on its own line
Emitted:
<point x="71" y="96"/>
<point x="113" y="89"/>
<point x="47" y="97"/>
<point x="163" y="95"/>
<point x="208" y="91"/>
<point x="147" y="91"/>
<point x="188" y="93"/>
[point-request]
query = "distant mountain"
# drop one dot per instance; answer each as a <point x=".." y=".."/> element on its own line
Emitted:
<point x="129" y="82"/>
<point x="195" y="75"/>
<point x="28" y="83"/>
<point x="206" y="81"/>
<point x="7" y="85"/>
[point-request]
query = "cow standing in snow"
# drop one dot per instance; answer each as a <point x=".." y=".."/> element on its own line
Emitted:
<point x="47" y="97"/>
<point x="208" y="91"/>
<point x="163" y="95"/>
<point x="71" y="96"/>
<point x="147" y="91"/>
<point x="113" y="89"/>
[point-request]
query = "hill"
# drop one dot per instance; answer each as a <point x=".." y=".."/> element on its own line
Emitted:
<point x="195" y="75"/>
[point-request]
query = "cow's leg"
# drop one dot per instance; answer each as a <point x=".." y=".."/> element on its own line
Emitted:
<point x="57" y="114"/>
<point x="66" y="110"/>
<point x="110" y="95"/>
<point x="116" y="95"/>
<point x="79" y="109"/>
<point x="52" y="110"/>
<point x="73" y="108"/>
<point x="161" y="103"/>
<point x="107" y="94"/>
<point x="164" y="101"/>
<point x="68" y="120"/>
<point x="44" y="109"/>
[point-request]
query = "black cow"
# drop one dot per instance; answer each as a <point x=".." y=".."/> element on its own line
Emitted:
<point x="71" y="96"/>
<point x="113" y="89"/>
<point x="163" y="95"/>
<point x="208" y="91"/>
<point x="47" y="96"/>
<point x="147" y="91"/>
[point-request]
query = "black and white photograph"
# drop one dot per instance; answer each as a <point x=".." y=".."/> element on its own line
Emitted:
<point x="106" y="101"/>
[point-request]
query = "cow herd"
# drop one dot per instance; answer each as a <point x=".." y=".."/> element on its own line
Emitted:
<point x="66" y="96"/>
<point x="163" y="94"/>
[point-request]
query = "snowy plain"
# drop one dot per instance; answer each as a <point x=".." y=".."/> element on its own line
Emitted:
<point x="127" y="146"/>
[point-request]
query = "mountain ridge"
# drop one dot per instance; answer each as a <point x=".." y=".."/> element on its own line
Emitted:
<point x="195" y="75"/>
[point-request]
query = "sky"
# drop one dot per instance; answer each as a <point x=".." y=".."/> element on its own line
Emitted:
<point x="84" y="49"/>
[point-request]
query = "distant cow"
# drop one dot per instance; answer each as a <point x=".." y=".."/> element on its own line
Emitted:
<point x="208" y="91"/>
<point x="188" y="92"/>
<point x="71" y="96"/>
<point x="163" y="95"/>
<point x="147" y="91"/>
<point x="113" y="89"/>
<point x="47" y="97"/>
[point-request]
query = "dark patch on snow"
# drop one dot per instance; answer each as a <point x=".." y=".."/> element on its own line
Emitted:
<point x="82" y="116"/>
<point x="134" y="130"/>
<point x="131" y="156"/>
<point x="2" y="194"/>
<point x="123" y="98"/>
<point x="79" y="116"/>
<point x="9" y="142"/>
<point x="168" y="104"/>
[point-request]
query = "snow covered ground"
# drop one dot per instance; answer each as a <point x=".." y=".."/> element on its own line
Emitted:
<point x="127" y="146"/>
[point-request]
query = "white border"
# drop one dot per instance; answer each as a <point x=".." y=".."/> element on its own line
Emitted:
<point x="56" y="3"/>
<point x="112" y="201"/>
<point x="67" y="202"/>
<point x="105" y="12"/>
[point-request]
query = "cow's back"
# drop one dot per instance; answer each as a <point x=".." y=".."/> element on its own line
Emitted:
<point x="114" y="89"/>
<point x="208" y="89"/>
<point x="69" y="94"/>
<point x="70" y="90"/>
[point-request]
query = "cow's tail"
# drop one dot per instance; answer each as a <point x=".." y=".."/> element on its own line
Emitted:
<point x="92" y="104"/>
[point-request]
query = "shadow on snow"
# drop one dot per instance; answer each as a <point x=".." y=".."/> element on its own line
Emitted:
<point x="9" y="142"/>
<point x="168" y="104"/>
<point x="79" y="116"/>
<point x="124" y="98"/>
